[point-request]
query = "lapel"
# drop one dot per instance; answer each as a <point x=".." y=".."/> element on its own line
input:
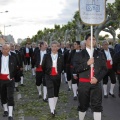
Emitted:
<point x="86" y="54"/>
<point x="50" y="59"/>
<point x="111" y="53"/>
<point x="95" y="54"/>
<point x="39" y="56"/>
<point x="58" y="59"/>
<point x="10" y="63"/>
<point x="104" y="54"/>
<point x="0" y="62"/>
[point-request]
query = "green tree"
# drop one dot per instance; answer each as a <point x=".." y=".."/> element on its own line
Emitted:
<point x="118" y="36"/>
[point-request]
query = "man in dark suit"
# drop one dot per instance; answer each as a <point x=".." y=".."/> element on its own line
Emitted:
<point x="19" y="54"/>
<point x="67" y="65"/>
<point x="40" y="76"/>
<point x="108" y="53"/>
<point x="53" y="65"/>
<point x="90" y="90"/>
<point x="19" y="65"/>
<point x="8" y="68"/>
<point x="34" y="51"/>
<point x="74" y="75"/>
<point x="62" y="51"/>
<point x="62" y="48"/>
<point x="27" y="55"/>
<point x="116" y="67"/>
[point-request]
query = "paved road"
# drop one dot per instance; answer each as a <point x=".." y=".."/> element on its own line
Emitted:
<point x="66" y="104"/>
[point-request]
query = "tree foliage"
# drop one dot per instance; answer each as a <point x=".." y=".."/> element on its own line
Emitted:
<point x="59" y="32"/>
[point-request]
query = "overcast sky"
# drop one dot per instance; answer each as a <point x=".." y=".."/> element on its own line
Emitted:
<point x="26" y="17"/>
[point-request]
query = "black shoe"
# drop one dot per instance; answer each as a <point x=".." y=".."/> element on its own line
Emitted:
<point x="10" y="118"/>
<point x="40" y="96"/>
<point x="78" y="108"/>
<point x="22" y="85"/>
<point x="75" y="98"/>
<point x="55" y="111"/>
<point x="69" y="89"/>
<point x="45" y="100"/>
<point x="112" y="95"/>
<point x="52" y="114"/>
<point x="105" y="96"/>
<point x="5" y="114"/>
<point x="17" y="90"/>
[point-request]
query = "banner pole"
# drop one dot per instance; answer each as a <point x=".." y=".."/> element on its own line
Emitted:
<point x="92" y="66"/>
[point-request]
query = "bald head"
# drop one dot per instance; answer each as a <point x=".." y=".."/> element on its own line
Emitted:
<point x="5" y="49"/>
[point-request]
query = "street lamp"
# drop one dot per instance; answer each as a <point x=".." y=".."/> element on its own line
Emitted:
<point x="4" y="11"/>
<point x="5" y="27"/>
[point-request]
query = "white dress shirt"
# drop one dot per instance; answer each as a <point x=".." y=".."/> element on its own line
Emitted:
<point x="108" y="55"/>
<point x="42" y="53"/>
<point x="5" y="65"/>
<point x="54" y="60"/>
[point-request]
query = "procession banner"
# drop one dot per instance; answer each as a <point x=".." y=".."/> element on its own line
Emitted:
<point x="92" y="12"/>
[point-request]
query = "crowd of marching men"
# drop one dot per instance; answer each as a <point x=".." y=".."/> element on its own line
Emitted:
<point x="49" y="63"/>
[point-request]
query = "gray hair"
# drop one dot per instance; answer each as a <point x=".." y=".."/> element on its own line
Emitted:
<point x="6" y="44"/>
<point x="82" y="43"/>
<point x="54" y="42"/>
<point x="104" y="42"/>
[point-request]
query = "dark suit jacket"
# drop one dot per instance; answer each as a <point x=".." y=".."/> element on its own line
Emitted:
<point x="47" y="64"/>
<point x="60" y="51"/>
<point x="38" y="57"/>
<point x="116" y="62"/>
<point x="19" y="58"/>
<point x="33" y="54"/>
<point x="80" y="64"/>
<point x="111" y="53"/>
<point x="16" y="58"/>
<point x="67" y="57"/>
<point x="12" y="66"/>
<point x="25" y="51"/>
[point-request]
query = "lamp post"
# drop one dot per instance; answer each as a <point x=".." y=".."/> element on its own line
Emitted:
<point x="5" y="27"/>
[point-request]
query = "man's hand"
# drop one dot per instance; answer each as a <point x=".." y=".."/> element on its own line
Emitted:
<point x="90" y="61"/>
<point x="75" y="77"/>
<point x="21" y="69"/>
<point x="93" y="80"/>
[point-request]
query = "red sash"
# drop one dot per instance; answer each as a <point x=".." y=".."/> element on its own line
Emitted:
<point x="109" y="66"/>
<point x="71" y="66"/>
<point x="84" y="80"/>
<point x="4" y="76"/>
<point x="53" y="72"/>
<point x="27" y="55"/>
<point x="39" y="68"/>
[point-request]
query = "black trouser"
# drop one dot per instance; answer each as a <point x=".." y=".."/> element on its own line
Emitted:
<point x="33" y="62"/>
<point x="40" y="78"/>
<point x="7" y="92"/>
<point x="110" y="74"/>
<point x="90" y="95"/>
<point x="75" y="81"/>
<point x="27" y="61"/>
<point x="17" y="76"/>
<point x="53" y="85"/>
<point x="119" y="81"/>
<point x="68" y="72"/>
